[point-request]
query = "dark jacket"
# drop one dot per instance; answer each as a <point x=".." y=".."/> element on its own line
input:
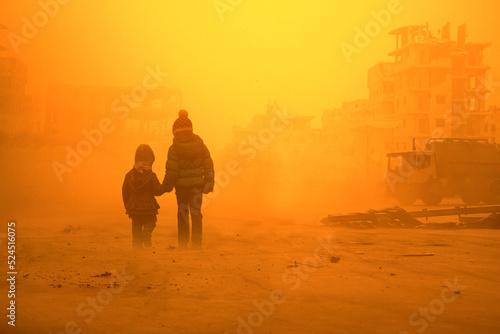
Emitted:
<point x="189" y="165"/>
<point x="139" y="191"/>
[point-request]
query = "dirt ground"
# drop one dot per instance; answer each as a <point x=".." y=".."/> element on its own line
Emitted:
<point x="266" y="267"/>
<point x="247" y="280"/>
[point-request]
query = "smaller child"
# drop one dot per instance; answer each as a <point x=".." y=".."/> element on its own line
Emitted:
<point x="139" y="190"/>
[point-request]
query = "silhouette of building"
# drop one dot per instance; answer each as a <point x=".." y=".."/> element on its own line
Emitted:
<point x="435" y="87"/>
<point x="73" y="108"/>
<point x="19" y="113"/>
<point x="12" y="94"/>
<point x="493" y="123"/>
<point x="439" y="88"/>
<point x="280" y="146"/>
<point x="342" y="143"/>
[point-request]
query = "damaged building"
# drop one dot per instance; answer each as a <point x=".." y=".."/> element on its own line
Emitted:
<point x="435" y="87"/>
<point x="73" y="108"/>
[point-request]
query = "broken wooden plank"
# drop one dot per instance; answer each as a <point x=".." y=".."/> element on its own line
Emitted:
<point x="398" y="213"/>
<point x="419" y="254"/>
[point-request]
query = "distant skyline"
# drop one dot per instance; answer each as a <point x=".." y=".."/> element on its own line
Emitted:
<point x="227" y="69"/>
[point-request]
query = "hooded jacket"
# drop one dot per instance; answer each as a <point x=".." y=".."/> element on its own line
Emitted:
<point x="139" y="190"/>
<point x="189" y="165"/>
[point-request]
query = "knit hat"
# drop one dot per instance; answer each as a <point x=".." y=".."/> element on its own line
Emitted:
<point x="144" y="153"/>
<point x="183" y="123"/>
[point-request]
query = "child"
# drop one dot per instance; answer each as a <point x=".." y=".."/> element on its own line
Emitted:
<point x="139" y="190"/>
<point x="190" y="170"/>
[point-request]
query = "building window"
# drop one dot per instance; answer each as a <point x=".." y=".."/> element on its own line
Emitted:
<point x="388" y="87"/>
<point x="422" y="57"/>
<point x="440" y="99"/>
<point x="470" y="128"/>
<point x="440" y="123"/>
<point x="473" y="104"/>
<point x="437" y="77"/>
<point x="410" y="79"/>
<point x="156" y="104"/>
<point x="423" y="103"/>
<point x="5" y="82"/>
<point x="472" y="82"/>
<point x="423" y="125"/>
<point x="458" y="65"/>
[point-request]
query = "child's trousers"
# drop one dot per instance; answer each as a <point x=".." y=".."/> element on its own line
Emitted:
<point x="189" y="200"/>
<point x="142" y="227"/>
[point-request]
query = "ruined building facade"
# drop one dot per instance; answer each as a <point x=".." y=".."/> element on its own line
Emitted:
<point x="19" y="112"/>
<point x="73" y="108"/>
<point x="435" y="87"/>
<point x="439" y="86"/>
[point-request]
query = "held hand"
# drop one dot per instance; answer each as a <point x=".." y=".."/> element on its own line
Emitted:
<point x="208" y="188"/>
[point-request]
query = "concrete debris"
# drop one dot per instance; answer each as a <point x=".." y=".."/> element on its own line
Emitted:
<point x="397" y="217"/>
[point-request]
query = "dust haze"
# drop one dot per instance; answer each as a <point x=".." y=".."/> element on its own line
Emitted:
<point x="357" y="171"/>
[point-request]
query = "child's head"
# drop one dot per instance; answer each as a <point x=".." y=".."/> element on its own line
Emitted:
<point x="182" y="125"/>
<point x="144" y="157"/>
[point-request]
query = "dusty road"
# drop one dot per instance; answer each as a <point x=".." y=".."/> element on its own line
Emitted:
<point x="265" y="267"/>
<point x="255" y="276"/>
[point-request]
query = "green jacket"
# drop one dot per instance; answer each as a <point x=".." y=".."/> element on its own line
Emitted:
<point x="189" y="165"/>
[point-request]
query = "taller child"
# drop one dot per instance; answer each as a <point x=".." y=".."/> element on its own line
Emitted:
<point x="190" y="170"/>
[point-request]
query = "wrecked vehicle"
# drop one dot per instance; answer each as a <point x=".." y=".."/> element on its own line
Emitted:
<point x="446" y="167"/>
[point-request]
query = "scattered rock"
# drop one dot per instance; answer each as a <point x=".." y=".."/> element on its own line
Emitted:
<point x="69" y="228"/>
<point x="105" y="274"/>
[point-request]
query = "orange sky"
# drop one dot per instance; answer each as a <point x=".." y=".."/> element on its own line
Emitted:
<point x="288" y="50"/>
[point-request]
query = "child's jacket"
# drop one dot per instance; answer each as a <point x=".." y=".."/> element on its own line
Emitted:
<point x="139" y="190"/>
<point x="189" y="165"/>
